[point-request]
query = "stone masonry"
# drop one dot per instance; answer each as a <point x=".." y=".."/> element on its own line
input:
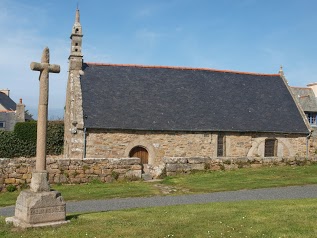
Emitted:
<point x="18" y="171"/>
<point x="74" y="118"/>
<point x="118" y="144"/>
<point x="176" y="165"/>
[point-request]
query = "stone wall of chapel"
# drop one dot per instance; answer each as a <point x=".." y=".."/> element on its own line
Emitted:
<point x="238" y="145"/>
<point x="313" y="145"/>
<point x="73" y="117"/>
<point x="287" y="145"/>
<point x="116" y="144"/>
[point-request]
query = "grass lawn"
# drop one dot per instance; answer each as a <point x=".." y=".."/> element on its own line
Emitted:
<point x="93" y="191"/>
<point x="246" y="178"/>
<point x="280" y="218"/>
<point x="200" y="182"/>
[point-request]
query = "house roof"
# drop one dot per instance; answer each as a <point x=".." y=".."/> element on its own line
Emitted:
<point x="186" y="99"/>
<point x="7" y="102"/>
<point x="306" y="98"/>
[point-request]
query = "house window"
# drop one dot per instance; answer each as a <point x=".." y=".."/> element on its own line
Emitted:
<point x="2" y="124"/>
<point x="311" y="116"/>
<point x="221" y="142"/>
<point x="270" y="147"/>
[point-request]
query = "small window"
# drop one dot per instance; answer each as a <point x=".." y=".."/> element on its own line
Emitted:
<point x="221" y="142"/>
<point x="311" y="116"/>
<point x="270" y="147"/>
<point x="76" y="44"/>
<point x="76" y="30"/>
<point x="2" y="124"/>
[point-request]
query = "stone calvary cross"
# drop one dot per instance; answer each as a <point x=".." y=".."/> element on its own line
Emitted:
<point x="40" y="206"/>
<point x="39" y="180"/>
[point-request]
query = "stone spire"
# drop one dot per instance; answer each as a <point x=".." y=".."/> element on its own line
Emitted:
<point x="76" y="37"/>
<point x="77" y="18"/>
<point x="73" y="117"/>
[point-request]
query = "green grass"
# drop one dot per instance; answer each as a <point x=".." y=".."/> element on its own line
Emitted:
<point x="200" y="182"/>
<point x="92" y="191"/>
<point x="106" y="190"/>
<point x="265" y="177"/>
<point x="281" y="218"/>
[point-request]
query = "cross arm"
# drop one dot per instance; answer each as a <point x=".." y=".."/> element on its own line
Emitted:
<point x="52" y="68"/>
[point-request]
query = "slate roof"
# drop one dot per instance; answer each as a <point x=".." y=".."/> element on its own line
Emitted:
<point x="306" y="98"/>
<point x="184" y="99"/>
<point x="7" y="102"/>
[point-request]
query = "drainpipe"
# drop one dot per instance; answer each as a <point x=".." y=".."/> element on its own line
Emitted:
<point x="307" y="140"/>
<point x="85" y="140"/>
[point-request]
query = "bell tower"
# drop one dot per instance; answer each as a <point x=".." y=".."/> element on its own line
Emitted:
<point x="73" y="117"/>
<point x="76" y="44"/>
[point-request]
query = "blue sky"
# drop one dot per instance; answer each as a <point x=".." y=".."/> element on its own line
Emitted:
<point x="241" y="35"/>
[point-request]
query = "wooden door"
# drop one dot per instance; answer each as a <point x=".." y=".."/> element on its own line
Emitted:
<point x="141" y="153"/>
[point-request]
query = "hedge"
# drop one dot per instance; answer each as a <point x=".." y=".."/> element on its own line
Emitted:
<point x="26" y="131"/>
<point x="22" y="141"/>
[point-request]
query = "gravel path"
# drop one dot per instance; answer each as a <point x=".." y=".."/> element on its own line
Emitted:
<point x="292" y="192"/>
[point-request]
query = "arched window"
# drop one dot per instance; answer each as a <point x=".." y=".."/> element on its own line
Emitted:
<point x="270" y="147"/>
<point x="140" y="152"/>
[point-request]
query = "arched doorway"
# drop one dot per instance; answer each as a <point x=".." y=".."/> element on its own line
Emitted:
<point x="140" y="152"/>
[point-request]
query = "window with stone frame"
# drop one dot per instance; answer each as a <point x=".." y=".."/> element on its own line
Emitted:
<point x="221" y="145"/>
<point x="2" y="124"/>
<point x="270" y="149"/>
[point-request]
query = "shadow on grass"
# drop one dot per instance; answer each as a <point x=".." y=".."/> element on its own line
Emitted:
<point x="77" y="215"/>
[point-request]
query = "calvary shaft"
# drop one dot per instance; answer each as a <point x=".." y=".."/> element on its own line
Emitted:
<point x="45" y="68"/>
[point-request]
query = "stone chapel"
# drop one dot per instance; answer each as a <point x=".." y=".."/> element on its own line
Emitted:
<point x="153" y="112"/>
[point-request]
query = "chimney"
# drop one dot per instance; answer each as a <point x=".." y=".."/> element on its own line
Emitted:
<point x="313" y="86"/>
<point x="20" y="112"/>
<point x="5" y="91"/>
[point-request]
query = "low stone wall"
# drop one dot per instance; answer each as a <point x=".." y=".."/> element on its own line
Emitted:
<point x="18" y="172"/>
<point x="179" y="165"/>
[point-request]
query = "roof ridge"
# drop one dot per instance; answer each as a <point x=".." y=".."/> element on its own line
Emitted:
<point x="301" y="87"/>
<point x="179" y="67"/>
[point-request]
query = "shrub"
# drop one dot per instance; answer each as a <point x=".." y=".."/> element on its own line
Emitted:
<point x="11" y="146"/>
<point x="55" y="137"/>
<point x="11" y="188"/>
<point x="22" y="141"/>
<point x="115" y="175"/>
<point x="26" y="131"/>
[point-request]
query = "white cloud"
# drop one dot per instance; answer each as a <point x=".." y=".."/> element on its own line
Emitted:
<point x="148" y="37"/>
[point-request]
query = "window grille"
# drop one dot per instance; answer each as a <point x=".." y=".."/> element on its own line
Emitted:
<point x="221" y="142"/>
<point x="270" y="147"/>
